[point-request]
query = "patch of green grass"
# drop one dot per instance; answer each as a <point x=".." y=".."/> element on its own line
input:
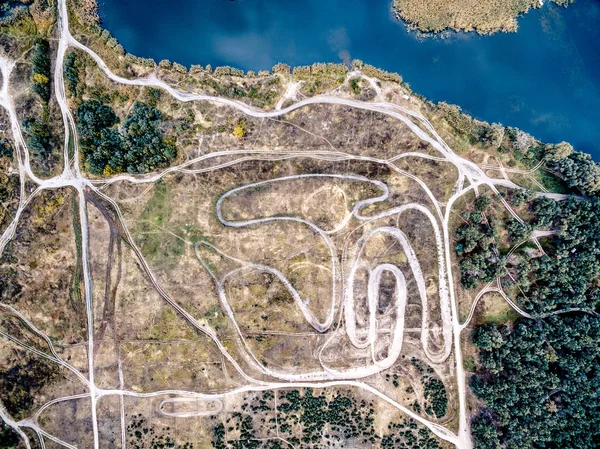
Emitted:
<point x="193" y="233"/>
<point x="501" y="317"/>
<point x="528" y="245"/>
<point x="169" y="326"/>
<point x="71" y="147"/>
<point x="469" y="365"/>
<point x="160" y="247"/>
<point x="551" y="182"/>
<point x="76" y="297"/>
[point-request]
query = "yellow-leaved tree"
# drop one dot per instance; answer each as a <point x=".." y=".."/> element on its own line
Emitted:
<point x="40" y="78"/>
<point x="239" y="130"/>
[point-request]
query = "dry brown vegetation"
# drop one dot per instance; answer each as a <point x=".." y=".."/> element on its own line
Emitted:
<point x="180" y="206"/>
<point x="483" y="17"/>
<point x="39" y="268"/>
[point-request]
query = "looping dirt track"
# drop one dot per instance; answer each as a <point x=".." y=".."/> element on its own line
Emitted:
<point x="469" y="174"/>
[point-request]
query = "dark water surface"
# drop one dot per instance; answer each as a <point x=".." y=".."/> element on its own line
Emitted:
<point x="544" y="79"/>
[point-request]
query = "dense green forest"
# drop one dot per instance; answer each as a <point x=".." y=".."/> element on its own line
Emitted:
<point x="577" y="169"/>
<point x="540" y="378"/>
<point x="540" y="382"/>
<point x="136" y="146"/>
<point x="566" y="276"/>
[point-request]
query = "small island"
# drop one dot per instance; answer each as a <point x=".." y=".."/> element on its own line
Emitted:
<point x="485" y="17"/>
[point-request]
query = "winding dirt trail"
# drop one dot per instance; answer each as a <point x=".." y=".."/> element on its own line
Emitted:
<point x="341" y="299"/>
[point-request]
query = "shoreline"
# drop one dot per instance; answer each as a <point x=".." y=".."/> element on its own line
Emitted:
<point x="421" y="67"/>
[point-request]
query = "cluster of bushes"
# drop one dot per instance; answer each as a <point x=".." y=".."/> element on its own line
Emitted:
<point x="137" y="146"/>
<point x="198" y="69"/>
<point x="322" y="421"/>
<point x="434" y="391"/>
<point x="342" y="414"/>
<point x="146" y="62"/>
<point x="165" y="64"/>
<point x="20" y="383"/>
<point x="40" y="60"/>
<point x="244" y="423"/>
<point x="262" y="92"/>
<point x="319" y="69"/>
<point x="228" y="71"/>
<point x="143" y="435"/>
<point x="107" y="39"/>
<point x="374" y="72"/>
<point x="471" y="132"/>
<point x="39" y="139"/>
<point x="563" y="3"/>
<point x="8" y="437"/>
<point x="301" y="71"/>
<point x="383" y="75"/>
<point x="436" y="396"/>
<point x="71" y="73"/>
<point x="6" y="189"/>
<point x="476" y="246"/>
<point x="6" y="149"/>
<point x="408" y="435"/>
<point x="338" y="421"/>
<point x="12" y="11"/>
<point x="393" y="379"/>
<point x="282" y="69"/>
<point x="518" y="231"/>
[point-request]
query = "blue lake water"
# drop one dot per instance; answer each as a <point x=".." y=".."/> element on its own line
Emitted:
<point x="544" y="79"/>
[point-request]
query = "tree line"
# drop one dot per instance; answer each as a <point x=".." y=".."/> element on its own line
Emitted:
<point x="37" y="129"/>
<point x="136" y="145"/>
